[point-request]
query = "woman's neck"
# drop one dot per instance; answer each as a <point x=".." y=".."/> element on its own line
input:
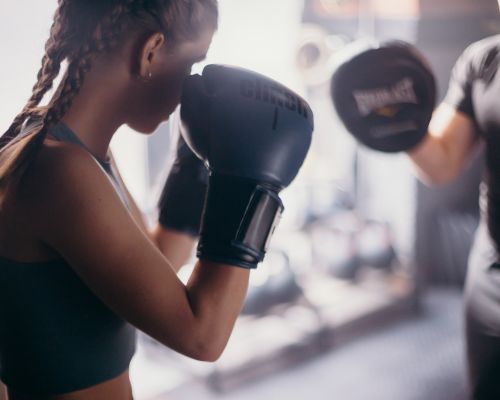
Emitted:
<point x="98" y="111"/>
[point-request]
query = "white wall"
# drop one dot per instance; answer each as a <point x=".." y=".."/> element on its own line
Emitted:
<point x="24" y="27"/>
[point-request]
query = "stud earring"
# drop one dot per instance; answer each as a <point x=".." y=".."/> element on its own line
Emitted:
<point x="146" y="78"/>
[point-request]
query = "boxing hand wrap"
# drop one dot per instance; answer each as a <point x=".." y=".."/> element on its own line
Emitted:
<point x="238" y="231"/>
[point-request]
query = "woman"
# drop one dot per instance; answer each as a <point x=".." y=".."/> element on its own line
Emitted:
<point x="76" y="260"/>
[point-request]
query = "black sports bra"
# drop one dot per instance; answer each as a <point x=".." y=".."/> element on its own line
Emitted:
<point x="56" y="336"/>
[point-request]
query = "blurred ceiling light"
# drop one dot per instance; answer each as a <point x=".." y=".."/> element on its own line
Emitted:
<point x="316" y="47"/>
<point x="339" y="8"/>
<point x="396" y="8"/>
<point x="381" y="8"/>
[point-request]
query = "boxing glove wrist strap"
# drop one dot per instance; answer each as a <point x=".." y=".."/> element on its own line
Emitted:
<point x="239" y="220"/>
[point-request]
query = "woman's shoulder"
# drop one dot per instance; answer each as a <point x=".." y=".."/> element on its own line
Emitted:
<point x="46" y="192"/>
<point x="59" y="170"/>
<point x="56" y="154"/>
<point x="482" y="52"/>
<point x="57" y="162"/>
<point x="485" y="45"/>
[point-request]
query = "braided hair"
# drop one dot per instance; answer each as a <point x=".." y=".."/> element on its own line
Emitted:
<point x="80" y="30"/>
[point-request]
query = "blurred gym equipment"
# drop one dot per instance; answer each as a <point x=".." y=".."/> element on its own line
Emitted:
<point x="275" y="284"/>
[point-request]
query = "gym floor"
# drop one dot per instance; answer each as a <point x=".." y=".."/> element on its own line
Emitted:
<point x="419" y="357"/>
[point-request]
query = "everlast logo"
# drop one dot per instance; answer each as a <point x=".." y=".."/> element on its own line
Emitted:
<point x="369" y="100"/>
<point x="261" y="90"/>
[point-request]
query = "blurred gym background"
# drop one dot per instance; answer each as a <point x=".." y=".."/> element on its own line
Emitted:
<point x="360" y="296"/>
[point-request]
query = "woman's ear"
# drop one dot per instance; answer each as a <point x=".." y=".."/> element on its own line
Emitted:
<point x="149" y="52"/>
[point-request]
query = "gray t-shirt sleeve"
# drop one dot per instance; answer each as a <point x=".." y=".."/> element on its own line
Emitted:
<point x="459" y="95"/>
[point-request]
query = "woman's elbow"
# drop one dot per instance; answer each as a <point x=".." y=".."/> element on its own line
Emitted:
<point x="205" y="351"/>
<point x="197" y="346"/>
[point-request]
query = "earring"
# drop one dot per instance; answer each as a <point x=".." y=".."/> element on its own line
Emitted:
<point x="146" y="78"/>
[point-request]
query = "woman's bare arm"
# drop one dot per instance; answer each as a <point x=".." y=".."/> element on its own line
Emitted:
<point x="3" y="391"/>
<point x="177" y="247"/>
<point x="78" y="213"/>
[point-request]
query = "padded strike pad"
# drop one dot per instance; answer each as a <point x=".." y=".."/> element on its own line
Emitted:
<point x="384" y="94"/>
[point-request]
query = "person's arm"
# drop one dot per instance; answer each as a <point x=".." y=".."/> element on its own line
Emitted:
<point x="3" y="391"/>
<point x="176" y="246"/>
<point x="452" y="131"/>
<point x="134" y="209"/>
<point x="90" y="227"/>
<point x="447" y="147"/>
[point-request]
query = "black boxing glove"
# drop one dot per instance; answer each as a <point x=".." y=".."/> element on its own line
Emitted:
<point x="253" y="133"/>
<point x="181" y="201"/>
<point x="384" y="93"/>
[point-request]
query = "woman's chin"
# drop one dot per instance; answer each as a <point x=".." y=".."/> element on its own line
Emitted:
<point x="149" y="127"/>
<point x="146" y="129"/>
